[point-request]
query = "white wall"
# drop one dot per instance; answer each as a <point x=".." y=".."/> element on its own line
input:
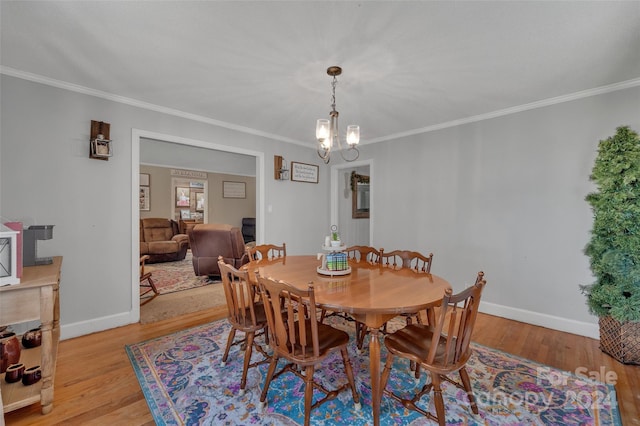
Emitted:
<point x="47" y="177"/>
<point x="505" y="196"/>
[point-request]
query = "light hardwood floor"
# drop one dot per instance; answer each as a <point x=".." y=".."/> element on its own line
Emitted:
<point x="95" y="384"/>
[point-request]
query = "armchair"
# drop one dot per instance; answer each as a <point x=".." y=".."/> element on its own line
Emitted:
<point x="210" y="240"/>
<point x="161" y="240"/>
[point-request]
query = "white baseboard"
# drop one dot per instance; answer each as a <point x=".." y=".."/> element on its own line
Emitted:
<point x="94" y="325"/>
<point x="549" y="321"/>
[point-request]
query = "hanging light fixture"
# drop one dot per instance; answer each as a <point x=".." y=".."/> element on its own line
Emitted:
<point x="327" y="130"/>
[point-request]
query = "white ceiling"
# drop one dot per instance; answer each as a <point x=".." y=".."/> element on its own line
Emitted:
<point x="261" y="66"/>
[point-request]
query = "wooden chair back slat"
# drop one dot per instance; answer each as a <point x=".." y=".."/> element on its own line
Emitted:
<point x="398" y="259"/>
<point x="364" y="253"/>
<point x="267" y="251"/>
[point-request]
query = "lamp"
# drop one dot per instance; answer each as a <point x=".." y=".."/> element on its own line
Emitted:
<point x="327" y="130"/>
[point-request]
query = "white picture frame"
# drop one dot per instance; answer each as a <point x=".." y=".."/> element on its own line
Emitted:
<point x="145" y="179"/>
<point x="145" y="198"/>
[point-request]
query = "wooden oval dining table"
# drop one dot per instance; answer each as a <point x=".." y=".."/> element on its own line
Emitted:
<point x="372" y="294"/>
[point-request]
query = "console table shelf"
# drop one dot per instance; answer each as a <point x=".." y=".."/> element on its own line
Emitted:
<point x="34" y="299"/>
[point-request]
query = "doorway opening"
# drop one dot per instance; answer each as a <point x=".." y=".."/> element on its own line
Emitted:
<point x="136" y="137"/>
<point x="355" y="231"/>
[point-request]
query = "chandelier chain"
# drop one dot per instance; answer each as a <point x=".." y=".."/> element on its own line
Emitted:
<point x="333" y="94"/>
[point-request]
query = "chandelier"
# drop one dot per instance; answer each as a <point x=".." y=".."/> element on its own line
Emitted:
<point x="327" y="130"/>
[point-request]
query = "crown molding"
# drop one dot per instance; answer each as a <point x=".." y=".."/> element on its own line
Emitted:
<point x="514" y="110"/>
<point x="139" y="104"/>
<point x="170" y="111"/>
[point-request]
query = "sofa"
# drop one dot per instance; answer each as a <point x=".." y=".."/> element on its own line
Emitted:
<point x="162" y="241"/>
<point x="210" y="240"/>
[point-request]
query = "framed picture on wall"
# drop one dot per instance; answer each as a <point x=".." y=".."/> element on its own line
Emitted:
<point x="199" y="201"/>
<point x="234" y="189"/>
<point x="302" y="172"/>
<point x="185" y="214"/>
<point x="182" y="197"/>
<point x="145" y="180"/>
<point x="145" y="201"/>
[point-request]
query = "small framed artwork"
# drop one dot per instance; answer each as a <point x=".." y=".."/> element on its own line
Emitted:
<point x="234" y="190"/>
<point x="182" y="197"/>
<point x="302" y="172"/>
<point x="145" y="201"/>
<point x="199" y="201"/>
<point x="185" y="214"/>
<point x="145" y="179"/>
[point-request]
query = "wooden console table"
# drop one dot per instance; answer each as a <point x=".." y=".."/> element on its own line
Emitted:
<point x="34" y="299"/>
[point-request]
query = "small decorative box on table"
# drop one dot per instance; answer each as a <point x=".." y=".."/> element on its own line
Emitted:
<point x="334" y="262"/>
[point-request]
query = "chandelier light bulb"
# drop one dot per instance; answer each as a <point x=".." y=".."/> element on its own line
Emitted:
<point x="353" y="134"/>
<point x="322" y="130"/>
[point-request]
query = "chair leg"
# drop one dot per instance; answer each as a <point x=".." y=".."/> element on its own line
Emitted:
<point x="361" y="333"/>
<point x="267" y="380"/>
<point x="467" y="387"/>
<point x="232" y="335"/>
<point x="247" y="361"/>
<point x="437" y="398"/>
<point x="352" y="382"/>
<point x="152" y="284"/>
<point x="417" y="372"/>
<point x="358" y="331"/>
<point x="150" y="287"/>
<point x="385" y="373"/>
<point x="308" y="394"/>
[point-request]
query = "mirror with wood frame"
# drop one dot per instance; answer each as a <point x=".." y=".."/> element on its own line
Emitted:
<point x="360" y="196"/>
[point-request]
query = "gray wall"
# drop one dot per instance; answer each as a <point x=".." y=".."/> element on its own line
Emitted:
<point x="504" y="195"/>
<point x="47" y="177"/>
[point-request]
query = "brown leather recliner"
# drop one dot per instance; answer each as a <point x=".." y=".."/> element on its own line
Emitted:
<point x="210" y="240"/>
<point x="161" y="240"/>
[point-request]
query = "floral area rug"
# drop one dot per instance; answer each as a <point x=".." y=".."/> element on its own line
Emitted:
<point x="170" y="277"/>
<point x="183" y="383"/>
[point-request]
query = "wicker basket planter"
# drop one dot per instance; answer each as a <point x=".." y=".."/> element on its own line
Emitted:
<point x="620" y="340"/>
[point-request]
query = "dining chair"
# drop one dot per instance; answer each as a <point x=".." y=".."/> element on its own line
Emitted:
<point x="400" y="259"/>
<point x="407" y="259"/>
<point x="296" y="335"/>
<point x="146" y="282"/>
<point x="441" y="350"/>
<point x="364" y="253"/>
<point x="246" y="314"/>
<point x="267" y="251"/>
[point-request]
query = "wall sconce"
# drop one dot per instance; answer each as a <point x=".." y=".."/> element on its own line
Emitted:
<point x="280" y="171"/>
<point x="100" y="144"/>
